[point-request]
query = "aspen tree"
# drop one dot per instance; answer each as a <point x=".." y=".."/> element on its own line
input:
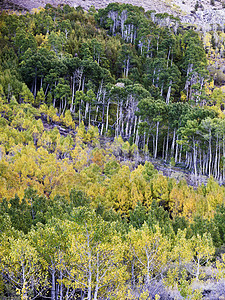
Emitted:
<point x="23" y="267"/>
<point x="150" y="251"/>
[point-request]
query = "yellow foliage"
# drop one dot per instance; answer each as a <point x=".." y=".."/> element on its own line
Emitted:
<point x="182" y="252"/>
<point x="98" y="157"/>
<point x="42" y="40"/>
<point x="118" y="194"/>
<point x="150" y="249"/>
<point x="67" y="119"/>
<point x="220" y="268"/>
<point x="209" y="87"/>
<point x="80" y="157"/>
<point x="160" y="189"/>
<point x="96" y="191"/>
<point x="183" y="97"/>
<point x="182" y="201"/>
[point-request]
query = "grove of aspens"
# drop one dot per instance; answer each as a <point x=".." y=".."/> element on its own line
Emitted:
<point x="91" y="102"/>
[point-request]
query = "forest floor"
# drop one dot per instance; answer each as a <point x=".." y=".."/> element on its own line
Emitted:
<point x="179" y="172"/>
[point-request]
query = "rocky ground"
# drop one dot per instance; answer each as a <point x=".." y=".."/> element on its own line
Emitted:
<point x="189" y="6"/>
<point x="205" y="14"/>
<point x="159" y="6"/>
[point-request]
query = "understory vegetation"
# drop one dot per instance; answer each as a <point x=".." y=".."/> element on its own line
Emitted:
<point x="87" y="101"/>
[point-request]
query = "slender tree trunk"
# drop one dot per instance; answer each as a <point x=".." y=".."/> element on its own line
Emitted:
<point x="168" y="57"/>
<point x="203" y="164"/>
<point x="206" y="163"/>
<point x="161" y="93"/>
<point x="89" y="116"/>
<point x="135" y="125"/>
<point x="35" y="86"/>
<point x="218" y="165"/>
<point x="117" y="121"/>
<point x="131" y="121"/>
<point x="147" y="268"/>
<point x="147" y="142"/>
<point x="127" y="128"/>
<point x="83" y="81"/>
<point x="195" y="157"/>
<point x="46" y="90"/>
<point x="133" y="274"/>
<point x="121" y="123"/>
<point x="167" y="143"/>
<point x="144" y="141"/>
<point x="86" y="110"/>
<point x="24" y="290"/>
<point x="186" y="158"/>
<point x="210" y="152"/>
<point x="97" y="278"/>
<point x="67" y="293"/>
<point x="200" y="162"/>
<point x="61" y="286"/>
<point x="173" y="142"/>
<point x="96" y="113"/>
<point x="73" y="91"/>
<point x="137" y="134"/>
<point x="163" y="151"/>
<point x="53" y="285"/>
<point x="198" y="269"/>
<point x="64" y="108"/>
<point x="107" y="117"/>
<point x="79" y="113"/>
<point x="103" y="110"/>
<point x="127" y="67"/>
<point x="176" y="152"/>
<point x="156" y="139"/>
<point x="216" y="158"/>
<point x="180" y="155"/>
<point x="60" y="106"/>
<point x="56" y="290"/>
<point x="89" y="275"/>
<point x="80" y="75"/>
<point x="169" y="92"/>
<point x="153" y="144"/>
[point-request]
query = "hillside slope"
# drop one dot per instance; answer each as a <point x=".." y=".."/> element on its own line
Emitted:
<point x="91" y="104"/>
<point x="201" y="13"/>
<point x="159" y="6"/>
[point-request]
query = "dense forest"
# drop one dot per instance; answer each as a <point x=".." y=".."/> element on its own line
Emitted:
<point x="87" y="101"/>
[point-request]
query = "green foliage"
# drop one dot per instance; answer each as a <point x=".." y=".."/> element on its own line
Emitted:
<point x="88" y="102"/>
<point x="219" y="221"/>
<point x="111" y="168"/>
<point x="77" y="198"/>
<point x="40" y="98"/>
<point x="149" y="171"/>
<point x="138" y="216"/>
